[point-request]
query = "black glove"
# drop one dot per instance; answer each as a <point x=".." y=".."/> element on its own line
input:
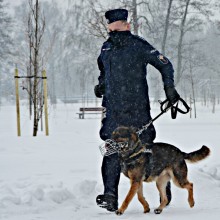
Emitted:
<point x="171" y="94"/>
<point x="99" y="91"/>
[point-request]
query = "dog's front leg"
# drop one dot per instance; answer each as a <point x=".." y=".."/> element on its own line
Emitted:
<point x="133" y="190"/>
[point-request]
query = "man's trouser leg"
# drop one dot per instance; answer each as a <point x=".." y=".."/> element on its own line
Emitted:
<point x="111" y="174"/>
<point x="110" y="171"/>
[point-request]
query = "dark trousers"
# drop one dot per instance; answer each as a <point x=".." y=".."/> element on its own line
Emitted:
<point x="111" y="170"/>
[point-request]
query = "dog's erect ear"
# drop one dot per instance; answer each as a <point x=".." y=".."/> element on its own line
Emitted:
<point x="133" y="129"/>
<point x="134" y="135"/>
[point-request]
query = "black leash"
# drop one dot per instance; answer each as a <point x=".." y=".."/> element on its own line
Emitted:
<point x="113" y="147"/>
<point x="174" y="109"/>
<point x="164" y="107"/>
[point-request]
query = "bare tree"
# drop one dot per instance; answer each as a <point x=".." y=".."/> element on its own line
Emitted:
<point x="6" y="44"/>
<point x="36" y="28"/>
<point x="96" y="23"/>
<point x="135" y="16"/>
<point x="5" y="30"/>
<point x="192" y="84"/>
<point x="29" y="66"/>
<point x="180" y="42"/>
<point x="194" y="11"/>
<point x="134" y="6"/>
<point x="166" y="27"/>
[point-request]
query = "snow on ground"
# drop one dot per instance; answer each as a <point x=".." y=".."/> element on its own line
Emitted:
<point x="58" y="177"/>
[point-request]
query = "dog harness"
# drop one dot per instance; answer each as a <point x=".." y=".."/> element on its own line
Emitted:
<point x="132" y="156"/>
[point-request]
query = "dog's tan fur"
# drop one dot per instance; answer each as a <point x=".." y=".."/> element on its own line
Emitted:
<point x="165" y="162"/>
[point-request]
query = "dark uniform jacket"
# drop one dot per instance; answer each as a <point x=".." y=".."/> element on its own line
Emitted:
<point x="122" y="63"/>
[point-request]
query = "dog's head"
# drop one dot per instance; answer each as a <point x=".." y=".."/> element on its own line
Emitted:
<point x="127" y="139"/>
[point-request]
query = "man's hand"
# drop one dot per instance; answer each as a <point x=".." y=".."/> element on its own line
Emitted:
<point x="99" y="91"/>
<point x="171" y="94"/>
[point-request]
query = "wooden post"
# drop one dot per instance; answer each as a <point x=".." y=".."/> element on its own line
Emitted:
<point x="17" y="102"/>
<point x="45" y="102"/>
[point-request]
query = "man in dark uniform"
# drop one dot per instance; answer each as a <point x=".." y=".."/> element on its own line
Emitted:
<point x="123" y="87"/>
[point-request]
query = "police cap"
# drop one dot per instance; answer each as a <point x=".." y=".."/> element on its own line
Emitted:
<point x="116" y="15"/>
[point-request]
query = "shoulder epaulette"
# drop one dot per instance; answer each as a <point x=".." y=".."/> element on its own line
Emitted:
<point x="141" y="39"/>
<point x="149" y="46"/>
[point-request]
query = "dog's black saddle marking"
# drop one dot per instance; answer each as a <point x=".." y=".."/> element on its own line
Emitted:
<point x="131" y="162"/>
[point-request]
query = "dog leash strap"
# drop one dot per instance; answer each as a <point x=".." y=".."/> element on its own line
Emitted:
<point x="175" y="109"/>
<point x="139" y="132"/>
<point x="185" y="105"/>
<point x="163" y="110"/>
<point x="164" y="107"/>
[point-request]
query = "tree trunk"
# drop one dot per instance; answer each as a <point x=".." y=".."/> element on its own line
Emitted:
<point x="190" y="105"/>
<point x="204" y="97"/>
<point x="180" y="44"/>
<point x="193" y="87"/>
<point x="213" y="100"/>
<point x="163" y="50"/>
<point x="134" y="16"/>
<point x="29" y="69"/>
<point x="36" y="67"/>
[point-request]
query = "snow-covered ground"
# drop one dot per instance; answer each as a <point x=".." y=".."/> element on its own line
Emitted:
<point x="58" y="177"/>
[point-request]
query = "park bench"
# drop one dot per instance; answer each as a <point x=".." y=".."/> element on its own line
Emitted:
<point x="90" y="110"/>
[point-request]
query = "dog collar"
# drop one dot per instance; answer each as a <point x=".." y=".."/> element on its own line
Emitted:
<point x="139" y="152"/>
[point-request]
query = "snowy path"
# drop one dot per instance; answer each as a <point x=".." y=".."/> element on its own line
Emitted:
<point x="58" y="177"/>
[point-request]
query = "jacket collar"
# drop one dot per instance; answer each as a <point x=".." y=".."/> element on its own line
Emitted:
<point x="119" y="38"/>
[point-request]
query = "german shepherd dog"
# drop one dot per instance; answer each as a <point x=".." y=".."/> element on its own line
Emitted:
<point x="158" y="162"/>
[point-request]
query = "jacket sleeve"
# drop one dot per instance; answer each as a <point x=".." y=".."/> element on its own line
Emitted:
<point x="161" y="63"/>
<point x="101" y="77"/>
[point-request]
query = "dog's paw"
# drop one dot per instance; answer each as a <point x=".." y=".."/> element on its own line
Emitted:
<point x="191" y="203"/>
<point x="157" y="211"/>
<point x="146" y="210"/>
<point x="119" y="212"/>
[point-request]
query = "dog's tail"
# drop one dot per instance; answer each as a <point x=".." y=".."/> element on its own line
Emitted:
<point x="197" y="155"/>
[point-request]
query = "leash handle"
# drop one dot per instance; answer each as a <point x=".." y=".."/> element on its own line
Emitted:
<point x="166" y="105"/>
<point x="185" y="105"/>
<point x="175" y="109"/>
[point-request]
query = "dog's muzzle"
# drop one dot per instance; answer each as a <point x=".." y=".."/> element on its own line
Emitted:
<point x="111" y="147"/>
